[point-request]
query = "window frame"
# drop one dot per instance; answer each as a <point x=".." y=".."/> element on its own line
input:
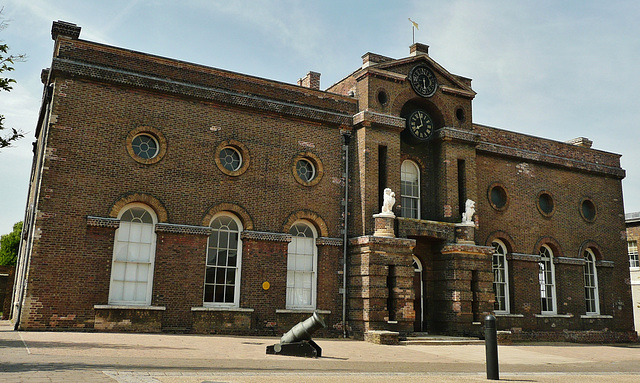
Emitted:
<point x="289" y="299"/>
<point x="414" y="198"/>
<point x="151" y="262"/>
<point x="634" y="260"/>
<point x="590" y="269"/>
<point x="506" y="305"/>
<point x="238" y="267"/>
<point x="546" y="261"/>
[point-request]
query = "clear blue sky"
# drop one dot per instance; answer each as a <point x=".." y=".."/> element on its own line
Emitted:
<point x="555" y="69"/>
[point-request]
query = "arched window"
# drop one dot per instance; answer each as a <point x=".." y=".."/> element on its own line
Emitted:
<point x="547" y="280"/>
<point x="301" y="267"/>
<point x="224" y="258"/>
<point x="133" y="257"/>
<point x="410" y="189"/>
<point x="591" y="283"/>
<point x="500" y="277"/>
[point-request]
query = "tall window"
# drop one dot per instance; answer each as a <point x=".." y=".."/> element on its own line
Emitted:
<point x="547" y="281"/>
<point x="301" y="267"/>
<point x="410" y="189"/>
<point x="133" y="257"/>
<point x="632" y="246"/>
<point x="224" y="258"/>
<point x="500" y="277"/>
<point x="591" y="283"/>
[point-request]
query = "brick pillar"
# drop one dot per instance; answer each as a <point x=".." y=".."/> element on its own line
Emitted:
<point x="371" y="259"/>
<point x="464" y="288"/>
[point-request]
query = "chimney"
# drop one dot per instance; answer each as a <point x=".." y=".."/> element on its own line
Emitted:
<point x="418" y="49"/>
<point x="311" y="81"/>
<point x="373" y="58"/>
<point x="63" y="28"/>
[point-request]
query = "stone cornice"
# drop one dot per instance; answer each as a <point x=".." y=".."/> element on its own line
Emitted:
<point x="367" y="116"/>
<point x="523" y="257"/>
<point x="548" y="158"/>
<point x="370" y="239"/>
<point x="605" y="264"/>
<point x="453" y="134"/>
<point x="466" y="248"/>
<point x="129" y="78"/>
<point x="569" y="261"/>
<point x="458" y="92"/>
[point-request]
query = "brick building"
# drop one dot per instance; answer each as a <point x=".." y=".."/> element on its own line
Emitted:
<point x="169" y="196"/>
<point x="633" y="236"/>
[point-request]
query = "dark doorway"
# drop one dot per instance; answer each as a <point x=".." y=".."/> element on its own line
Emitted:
<point x="418" y="302"/>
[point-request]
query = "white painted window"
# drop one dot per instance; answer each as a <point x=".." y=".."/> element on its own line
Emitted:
<point x="410" y="189"/>
<point x="133" y="257"/>
<point x="632" y="247"/>
<point x="223" y="264"/>
<point x="500" y="277"/>
<point x="591" y="283"/>
<point x="547" y="280"/>
<point x="301" y="267"/>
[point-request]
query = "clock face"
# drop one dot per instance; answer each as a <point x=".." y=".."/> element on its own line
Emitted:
<point x="423" y="81"/>
<point x="420" y="125"/>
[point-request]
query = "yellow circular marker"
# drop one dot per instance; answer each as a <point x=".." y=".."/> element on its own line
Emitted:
<point x="265" y="285"/>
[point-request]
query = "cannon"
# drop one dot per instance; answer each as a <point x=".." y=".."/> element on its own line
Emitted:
<point x="297" y="341"/>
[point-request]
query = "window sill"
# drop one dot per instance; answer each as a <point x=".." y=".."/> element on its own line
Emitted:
<point x="129" y="307"/>
<point x="507" y="315"/>
<point x="553" y="315"/>
<point x="297" y="311"/>
<point x="596" y="316"/>
<point x="222" y="308"/>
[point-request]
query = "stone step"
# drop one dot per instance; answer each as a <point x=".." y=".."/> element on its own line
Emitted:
<point x="439" y="340"/>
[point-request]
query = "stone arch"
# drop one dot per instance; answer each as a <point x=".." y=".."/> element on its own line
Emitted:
<point x="314" y="218"/>
<point x="147" y="199"/>
<point x="243" y="215"/>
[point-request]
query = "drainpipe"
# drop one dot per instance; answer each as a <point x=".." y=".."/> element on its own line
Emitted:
<point x="346" y="138"/>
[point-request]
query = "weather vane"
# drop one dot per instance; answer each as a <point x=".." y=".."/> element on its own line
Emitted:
<point x="413" y="30"/>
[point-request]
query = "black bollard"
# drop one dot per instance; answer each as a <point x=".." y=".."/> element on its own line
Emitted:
<point x="491" y="347"/>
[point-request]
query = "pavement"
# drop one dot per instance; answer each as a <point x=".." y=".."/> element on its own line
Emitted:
<point x="34" y="357"/>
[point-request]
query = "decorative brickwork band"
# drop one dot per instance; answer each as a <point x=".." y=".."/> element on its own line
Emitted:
<point x="523" y="257"/>
<point x="569" y="261"/>
<point x="182" y="229"/>
<point x="264" y="236"/>
<point x="379" y="118"/>
<point x="325" y="241"/>
<point x="451" y="134"/>
<point x="103" y="222"/>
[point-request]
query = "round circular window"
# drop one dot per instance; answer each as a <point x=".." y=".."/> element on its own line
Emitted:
<point x="498" y="196"/>
<point x="460" y="114"/>
<point x="232" y="157"/>
<point x="307" y="169"/>
<point x="588" y="210"/>
<point x="382" y="97"/>
<point x="545" y="203"/>
<point x="146" y="145"/>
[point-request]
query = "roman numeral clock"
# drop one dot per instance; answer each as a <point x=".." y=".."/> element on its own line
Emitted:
<point x="420" y="125"/>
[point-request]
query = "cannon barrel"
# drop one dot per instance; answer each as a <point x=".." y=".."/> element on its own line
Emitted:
<point x="303" y="330"/>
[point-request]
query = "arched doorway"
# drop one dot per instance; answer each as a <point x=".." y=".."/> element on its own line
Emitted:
<point x="418" y="302"/>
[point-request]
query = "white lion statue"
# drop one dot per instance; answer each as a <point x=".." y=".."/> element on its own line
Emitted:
<point x="470" y="210"/>
<point x="388" y="202"/>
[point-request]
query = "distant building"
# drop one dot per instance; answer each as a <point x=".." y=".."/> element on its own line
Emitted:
<point x="170" y="196"/>
<point x="633" y="235"/>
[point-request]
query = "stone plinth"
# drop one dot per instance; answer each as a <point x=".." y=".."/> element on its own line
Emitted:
<point x="384" y="225"/>
<point x="465" y="233"/>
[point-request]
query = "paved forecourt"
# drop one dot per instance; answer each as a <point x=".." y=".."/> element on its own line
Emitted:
<point x="115" y="357"/>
